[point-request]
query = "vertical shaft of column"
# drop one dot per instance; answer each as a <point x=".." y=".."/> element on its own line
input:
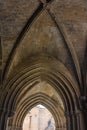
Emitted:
<point x="74" y="121"/>
<point x="71" y="121"/>
<point x="77" y="121"/>
<point x="81" y="121"/>
<point x="68" y="121"/>
<point x="3" y="120"/>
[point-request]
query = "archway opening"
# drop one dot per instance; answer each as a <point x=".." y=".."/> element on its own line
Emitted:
<point x="39" y="118"/>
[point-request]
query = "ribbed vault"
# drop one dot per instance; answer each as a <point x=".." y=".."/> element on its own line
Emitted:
<point x="42" y="68"/>
<point x="43" y="49"/>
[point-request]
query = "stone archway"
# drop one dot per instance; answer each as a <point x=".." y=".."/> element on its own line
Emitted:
<point x="45" y="69"/>
<point x="39" y="117"/>
<point x="45" y="100"/>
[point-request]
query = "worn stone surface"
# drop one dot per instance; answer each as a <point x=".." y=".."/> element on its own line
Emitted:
<point x="13" y="17"/>
<point x="43" y="36"/>
<point x="43" y="52"/>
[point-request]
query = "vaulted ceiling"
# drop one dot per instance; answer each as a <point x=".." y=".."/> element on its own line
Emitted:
<point x="45" y="31"/>
<point x="56" y="28"/>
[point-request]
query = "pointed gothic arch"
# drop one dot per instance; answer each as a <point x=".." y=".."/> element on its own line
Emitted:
<point x="36" y="71"/>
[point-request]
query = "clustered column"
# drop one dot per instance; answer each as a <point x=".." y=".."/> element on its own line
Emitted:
<point x="75" y="120"/>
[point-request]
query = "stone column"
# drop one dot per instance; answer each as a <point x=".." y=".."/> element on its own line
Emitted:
<point x="78" y="120"/>
<point x="68" y="120"/>
<point x="81" y="122"/>
<point x="75" y="120"/>
<point x="71" y="120"/>
<point x="3" y="119"/>
<point x="4" y="115"/>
